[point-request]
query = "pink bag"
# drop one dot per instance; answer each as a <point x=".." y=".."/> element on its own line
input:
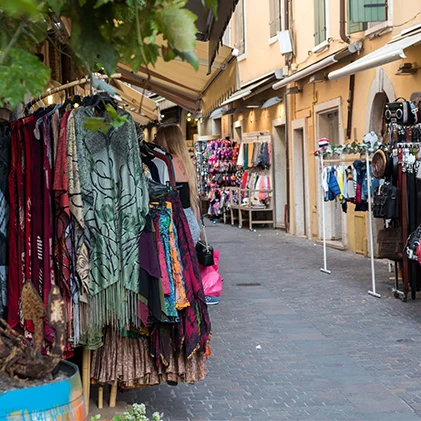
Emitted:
<point x="211" y="279"/>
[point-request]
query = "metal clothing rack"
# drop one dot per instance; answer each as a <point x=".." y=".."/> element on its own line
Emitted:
<point x="370" y="219"/>
<point x="405" y="166"/>
<point x="70" y="85"/>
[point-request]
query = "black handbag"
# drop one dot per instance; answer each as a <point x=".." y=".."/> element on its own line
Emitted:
<point x="204" y="251"/>
<point x="413" y="243"/>
<point x="386" y="202"/>
<point x="401" y="112"/>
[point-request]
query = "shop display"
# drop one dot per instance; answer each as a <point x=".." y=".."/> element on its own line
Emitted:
<point x="347" y="184"/>
<point x="98" y="215"/>
<point x="397" y="164"/>
<point x="254" y="162"/>
<point x="217" y="170"/>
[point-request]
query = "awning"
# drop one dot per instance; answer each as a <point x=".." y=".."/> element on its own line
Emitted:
<point x="178" y="82"/>
<point x="143" y="105"/>
<point x="209" y="28"/>
<point x="247" y="90"/>
<point x="314" y="68"/>
<point x="392" y="51"/>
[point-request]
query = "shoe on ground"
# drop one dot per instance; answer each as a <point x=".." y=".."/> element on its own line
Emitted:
<point x="212" y="301"/>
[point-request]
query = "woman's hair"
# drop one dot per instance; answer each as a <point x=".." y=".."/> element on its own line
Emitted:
<point x="170" y="137"/>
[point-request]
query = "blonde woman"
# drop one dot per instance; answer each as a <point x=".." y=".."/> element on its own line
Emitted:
<point x="170" y="138"/>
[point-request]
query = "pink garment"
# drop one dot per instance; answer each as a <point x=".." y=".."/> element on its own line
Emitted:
<point x="211" y="279"/>
<point x="262" y="195"/>
<point x="162" y="262"/>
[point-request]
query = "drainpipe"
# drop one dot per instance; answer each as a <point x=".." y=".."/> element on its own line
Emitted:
<point x="288" y="25"/>
<point x="287" y="115"/>
<point x="286" y="8"/>
<point x="350" y="106"/>
<point x="342" y="22"/>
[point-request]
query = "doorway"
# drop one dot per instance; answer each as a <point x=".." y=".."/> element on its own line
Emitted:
<point x="280" y="172"/>
<point x="300" y="218"/>
<point x="328" y="127"/>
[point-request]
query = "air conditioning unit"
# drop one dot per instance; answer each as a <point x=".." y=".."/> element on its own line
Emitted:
<point x="285" y="42"/>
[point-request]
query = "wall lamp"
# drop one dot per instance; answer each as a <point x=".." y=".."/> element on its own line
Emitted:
<point x="292" y="91"/>
<point x="271" y="102"/>
<point x="407" y="69"/>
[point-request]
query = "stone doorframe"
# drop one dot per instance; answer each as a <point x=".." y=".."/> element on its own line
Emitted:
<point x="301" y="124"/>
<point x="323" y="108"/>
<point x="279" y="122"/>
<point x="381" y="85"/>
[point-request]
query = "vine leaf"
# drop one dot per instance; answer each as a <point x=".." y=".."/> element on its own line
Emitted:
<point x="95" y="124"/>
<point x="213" y="5"/>
<point x="88" y="43"/>
<point x="116" y="120"/>
<point x="19" y="7"/>
<point x="103" y="124"/>
<point x="56" y="5"/>
<point x="178" y="27"/>
<point x="23" y="73"/>
<point x="190" y="58"/>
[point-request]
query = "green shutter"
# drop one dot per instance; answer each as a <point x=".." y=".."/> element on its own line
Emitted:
<point x="361" y="12"/>
<point x="319" y="21"/>
<point x="354" y="27"/>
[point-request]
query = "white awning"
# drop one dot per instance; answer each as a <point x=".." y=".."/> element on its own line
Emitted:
<point x="392" y="51"/>
<point x="319" y="65"/>
<point x="246" y="91"/>
<point x="192" y="90"/>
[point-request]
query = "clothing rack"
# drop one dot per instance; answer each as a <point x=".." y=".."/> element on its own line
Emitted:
<point x="70" y="85"/>
<point x="406" y="266"/>
<point x="370" y="218"/>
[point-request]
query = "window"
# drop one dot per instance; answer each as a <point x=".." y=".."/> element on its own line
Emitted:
<point x="354" y="27"/>
<point x="239" y="23"/>
<point x="275" y="18"/>
<point x="368" y="11"/>
<point x="320" y="26"/>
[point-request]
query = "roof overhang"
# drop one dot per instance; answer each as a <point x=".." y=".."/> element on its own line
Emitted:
<point x="319" y="65"/>
<point x="178" y="82"/>
<point x="392" y="51"/>
<point x="209" y="28"/>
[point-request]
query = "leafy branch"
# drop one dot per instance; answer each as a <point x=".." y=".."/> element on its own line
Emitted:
<point x="102" y="36"/>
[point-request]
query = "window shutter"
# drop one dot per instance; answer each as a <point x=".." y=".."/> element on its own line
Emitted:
<point x="239" y="28"/>
<point x="274" y="17"/>
<point x="354" y="27"/>
<point x="319" y="21"/>
<point x="368" y="10"/>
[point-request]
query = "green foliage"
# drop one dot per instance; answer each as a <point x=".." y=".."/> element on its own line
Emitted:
<point x="103" y="124"/>
<point x="21" y="73"/>
<point x="137" y="413"/>
<point x="104" y="32"/>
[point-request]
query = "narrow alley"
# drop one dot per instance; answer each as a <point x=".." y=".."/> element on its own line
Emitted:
<point x="290" y="343"/>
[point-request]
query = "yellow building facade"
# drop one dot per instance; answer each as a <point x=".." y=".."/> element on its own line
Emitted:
<point x="328" y="67"/>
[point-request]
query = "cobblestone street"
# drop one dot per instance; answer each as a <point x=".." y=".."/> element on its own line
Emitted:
<point x="329" y="351"/>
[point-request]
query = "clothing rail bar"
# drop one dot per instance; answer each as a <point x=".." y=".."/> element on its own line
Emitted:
<point x="339" y="161"/>
<point x="325" y="269"/>
<point x="70" y="85"/>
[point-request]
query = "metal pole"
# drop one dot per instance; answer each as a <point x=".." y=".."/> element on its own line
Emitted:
<point x="370" y="230"/>
<point x="324" y="269"/>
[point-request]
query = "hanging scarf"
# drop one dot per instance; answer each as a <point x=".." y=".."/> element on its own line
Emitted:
<point x="115" y="203"/>
<point x="197" y="327"/>
<point x="5" y="139"/>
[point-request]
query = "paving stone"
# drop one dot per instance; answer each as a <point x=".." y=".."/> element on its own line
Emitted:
<point x="329" y="351"/>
